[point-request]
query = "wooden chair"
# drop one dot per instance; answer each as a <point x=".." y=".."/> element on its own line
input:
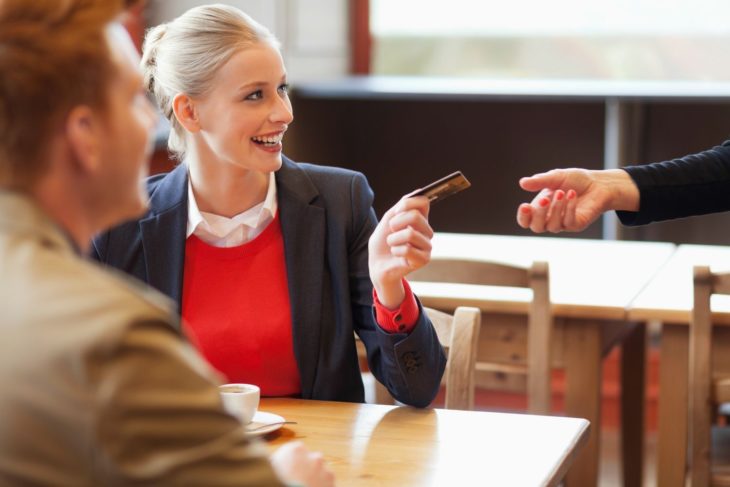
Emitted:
<point x="706" y="389"/>
<point x="459" y="335"/>
<point x="539" y="320"/>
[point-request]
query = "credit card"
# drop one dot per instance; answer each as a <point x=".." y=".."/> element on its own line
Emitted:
<point x="444" y="187"/>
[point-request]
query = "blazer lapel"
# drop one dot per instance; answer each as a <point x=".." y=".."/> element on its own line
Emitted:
<point x="163" y="234"/>
<point x="303" y="228"/>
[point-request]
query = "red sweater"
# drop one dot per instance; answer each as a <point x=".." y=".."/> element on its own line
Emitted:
<point x="236" y="310"/>
<point x="236" y="307"/>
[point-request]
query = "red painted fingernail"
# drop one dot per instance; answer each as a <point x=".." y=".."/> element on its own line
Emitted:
<point x="525" y="210"/>
<point x="544" y="202"/>
<point x="559" y="194"/>
<point x="571" y="194"/>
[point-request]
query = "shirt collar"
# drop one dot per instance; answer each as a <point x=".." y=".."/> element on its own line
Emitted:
<point x="256" y="216"/>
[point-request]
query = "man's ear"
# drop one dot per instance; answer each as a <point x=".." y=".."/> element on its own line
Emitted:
<point x="184" y="108"/>
<point x="83" y="130"/>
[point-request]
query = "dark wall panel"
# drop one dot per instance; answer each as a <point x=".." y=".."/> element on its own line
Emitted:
<point x="401" y="145"/>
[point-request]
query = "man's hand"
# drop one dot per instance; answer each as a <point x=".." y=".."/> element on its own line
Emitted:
<point x="294" y="463"/>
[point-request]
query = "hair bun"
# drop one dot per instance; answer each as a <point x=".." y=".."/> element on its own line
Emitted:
<point x="149" y="54"/>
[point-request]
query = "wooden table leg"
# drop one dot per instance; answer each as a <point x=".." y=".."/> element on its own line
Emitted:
<point x="583" y="394"/>
<point x="633" y="356"/>
<point x="672" y="434"/>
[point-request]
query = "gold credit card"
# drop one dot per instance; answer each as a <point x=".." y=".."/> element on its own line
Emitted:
<point x="444" y="187"/>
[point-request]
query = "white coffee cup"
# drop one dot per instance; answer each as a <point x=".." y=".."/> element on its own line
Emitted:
<point x="241" y="400"/>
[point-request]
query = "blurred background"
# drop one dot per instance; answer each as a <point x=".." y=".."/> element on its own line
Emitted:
<point x="619" y="39"/>
<point x="407" y="91"/>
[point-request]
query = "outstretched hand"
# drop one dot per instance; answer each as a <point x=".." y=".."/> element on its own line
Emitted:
<point x="571" y="199"/>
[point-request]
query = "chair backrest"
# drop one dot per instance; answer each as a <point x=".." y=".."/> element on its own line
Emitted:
<point x="540" y="322"/>
<point x="459" y="335"/>
<point x="702" y="399"/>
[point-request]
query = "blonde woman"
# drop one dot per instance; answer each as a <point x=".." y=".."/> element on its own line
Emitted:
<point x="273" y="264"/>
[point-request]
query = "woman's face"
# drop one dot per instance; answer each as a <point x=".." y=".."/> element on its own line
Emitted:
<point x="243" y="118"/>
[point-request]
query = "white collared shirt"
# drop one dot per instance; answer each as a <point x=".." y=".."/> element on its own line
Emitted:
<point x="221" y="231"/>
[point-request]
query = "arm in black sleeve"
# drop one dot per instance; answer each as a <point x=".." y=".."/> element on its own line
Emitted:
<point x="696" y="184"/>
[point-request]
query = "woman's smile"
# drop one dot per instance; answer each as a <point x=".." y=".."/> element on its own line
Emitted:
<point x="270" y="142"/>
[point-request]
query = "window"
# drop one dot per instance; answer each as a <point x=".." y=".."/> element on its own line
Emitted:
<point x="590" y="39"/>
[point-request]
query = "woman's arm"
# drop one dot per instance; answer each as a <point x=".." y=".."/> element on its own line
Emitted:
<point x="572" y="199"/>
<point x="696" y="184"/>
<point x="409" y="364"/>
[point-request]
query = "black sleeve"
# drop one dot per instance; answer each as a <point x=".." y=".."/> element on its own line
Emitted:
<point x="696" y="184"/>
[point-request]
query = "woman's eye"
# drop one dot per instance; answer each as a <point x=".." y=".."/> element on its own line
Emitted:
<point x="256" y="95"/>
<point x="284" y="88"/>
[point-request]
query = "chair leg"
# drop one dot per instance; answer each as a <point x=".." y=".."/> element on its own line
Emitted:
<point x="700" y="372"/>
<point x="583" y="395"/>
<point x="673" y="396"/>
<point x="633" y="360"/>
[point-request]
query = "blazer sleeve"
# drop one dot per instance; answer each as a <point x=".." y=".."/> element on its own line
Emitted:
<point x="696" y="184"/>
<point x="160" y="419"/>
<point x="409" y="365"/>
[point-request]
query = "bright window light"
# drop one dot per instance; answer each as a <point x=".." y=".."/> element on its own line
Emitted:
<point x="549" y="39"/>
<point x="550" y="18"/>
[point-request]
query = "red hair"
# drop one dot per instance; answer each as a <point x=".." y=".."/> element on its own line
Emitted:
<point x="53" y="56"/>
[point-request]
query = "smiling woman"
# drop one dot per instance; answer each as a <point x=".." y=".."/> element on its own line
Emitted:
<point x="274" y="265"/>
<point x="174" y="48"/>
<point x="241" y="118"/>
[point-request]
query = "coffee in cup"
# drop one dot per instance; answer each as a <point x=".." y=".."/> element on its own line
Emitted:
<point x="241" y="400"/>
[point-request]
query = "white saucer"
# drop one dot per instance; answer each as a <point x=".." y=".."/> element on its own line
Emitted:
<point x="260" y="420"/>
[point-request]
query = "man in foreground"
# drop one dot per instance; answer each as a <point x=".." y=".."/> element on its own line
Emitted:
<point x="97" y="388"/>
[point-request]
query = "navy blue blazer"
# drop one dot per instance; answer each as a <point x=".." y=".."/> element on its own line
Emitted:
<point x="326" y="218"/>
<point x="696" y="184"/>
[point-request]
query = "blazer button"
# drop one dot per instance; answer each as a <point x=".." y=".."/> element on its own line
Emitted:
<point x="412" y="369"/>
<point x="408" y="356"/>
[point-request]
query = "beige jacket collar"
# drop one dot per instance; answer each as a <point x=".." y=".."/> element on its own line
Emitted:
<point x="21" y="216"/>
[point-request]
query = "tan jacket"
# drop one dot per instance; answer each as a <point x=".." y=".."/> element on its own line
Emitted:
<point x="96" y="388"/>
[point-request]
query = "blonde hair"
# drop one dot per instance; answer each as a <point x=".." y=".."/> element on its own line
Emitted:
<point x="54" y="56"/>
<point x="184" y="55"/>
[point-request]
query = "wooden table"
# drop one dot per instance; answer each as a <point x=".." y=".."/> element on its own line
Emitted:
<point x="368" y="444"/>
<point x="592" y="284"/>
<point x="668" y="298"/>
